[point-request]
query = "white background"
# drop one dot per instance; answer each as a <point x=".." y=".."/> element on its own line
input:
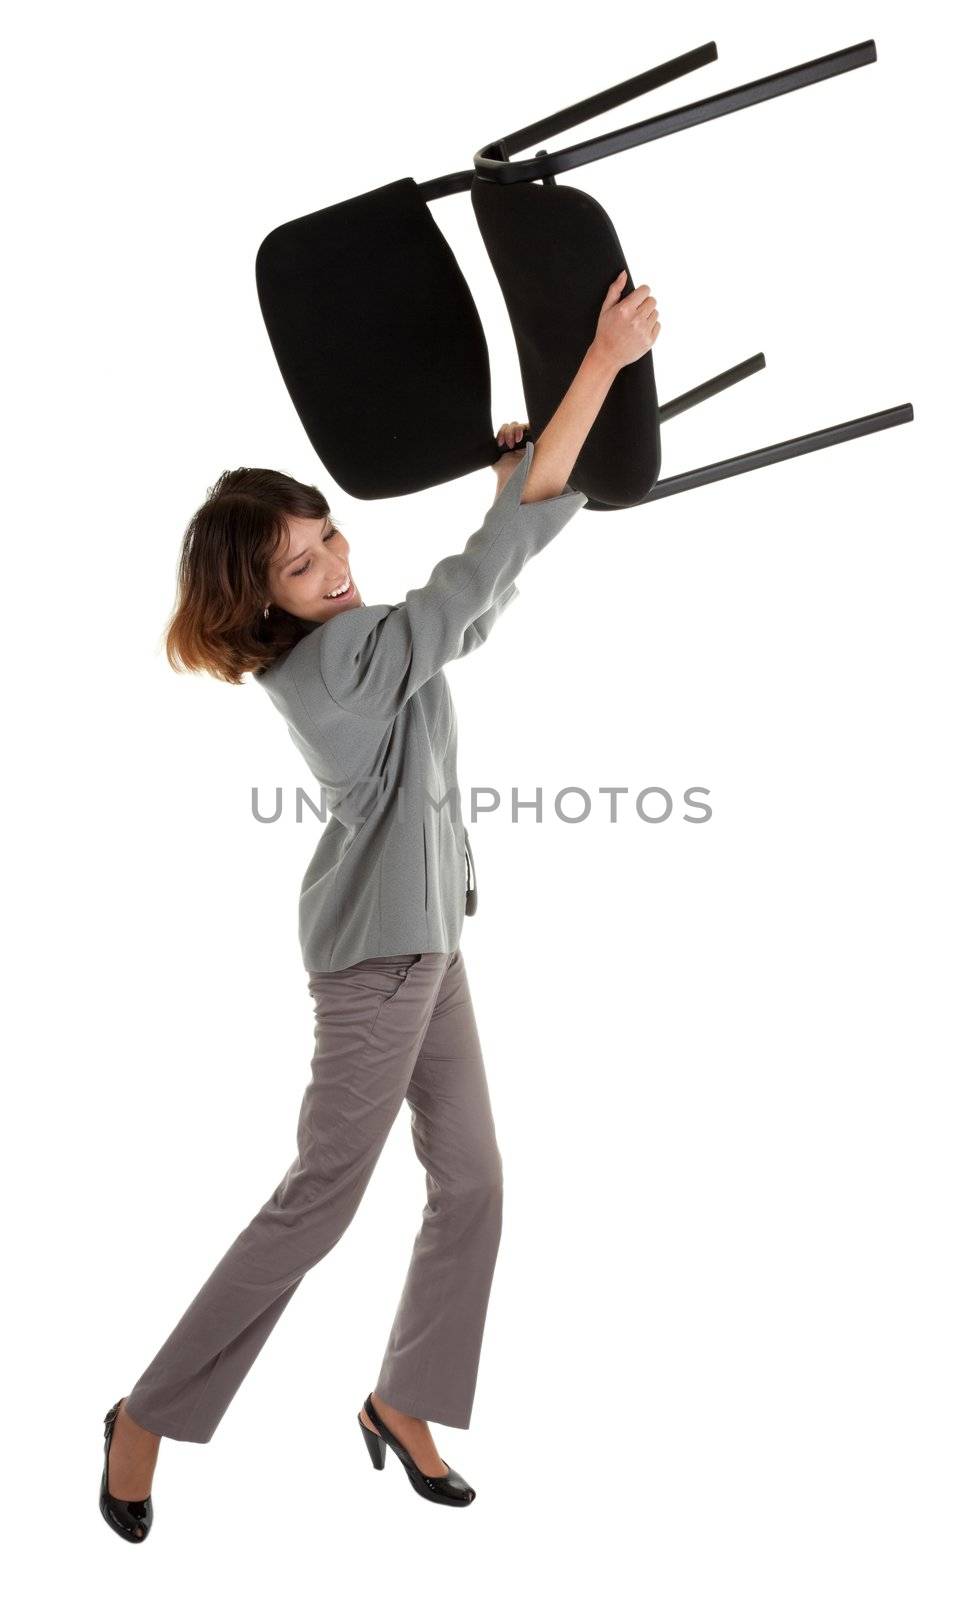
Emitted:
<point x="718" y="1353"/>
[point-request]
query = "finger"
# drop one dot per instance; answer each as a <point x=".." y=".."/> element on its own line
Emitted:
<point x="644" y="311"/>
<point x="641" y="319"/>
<point x="654" y="331"/>
<point x="639" y="295"/>
<point x="613" y="293"/>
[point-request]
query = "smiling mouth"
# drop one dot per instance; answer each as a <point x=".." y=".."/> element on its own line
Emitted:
<point x="341" y="593"/>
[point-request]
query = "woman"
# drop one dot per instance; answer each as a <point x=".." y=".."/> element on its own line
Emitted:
<point x="265" y="586"/>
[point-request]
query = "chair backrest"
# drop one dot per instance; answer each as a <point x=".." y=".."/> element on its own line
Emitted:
<point x="555" y="252"/>
<point x="379" y="342"/>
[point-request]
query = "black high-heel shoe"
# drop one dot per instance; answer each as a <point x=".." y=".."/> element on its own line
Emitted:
<point x="450" y="1489"/>
<point x="131" y="1519"/>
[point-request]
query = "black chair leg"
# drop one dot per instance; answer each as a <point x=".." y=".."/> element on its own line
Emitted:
<point x="559" y="121"/>
<point x="491" y="164"/>
<point x="706" y="391"/>
<point x="608" y="99"/>
<point x="770" y="454"/>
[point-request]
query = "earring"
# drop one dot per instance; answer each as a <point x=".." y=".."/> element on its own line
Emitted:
<point x="266" y="612"/>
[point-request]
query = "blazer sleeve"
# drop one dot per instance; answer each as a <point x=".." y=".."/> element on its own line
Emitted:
<point x="476" y="632"/>
<point x="372" y="659"/>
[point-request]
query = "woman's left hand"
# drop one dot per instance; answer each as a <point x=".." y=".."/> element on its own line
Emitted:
<point x="509" y="434"/>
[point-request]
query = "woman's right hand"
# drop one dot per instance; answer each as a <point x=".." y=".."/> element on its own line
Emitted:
<point x="626" y="328"/>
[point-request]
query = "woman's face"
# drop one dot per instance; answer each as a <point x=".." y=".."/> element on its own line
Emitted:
<point x="308" y="566"/>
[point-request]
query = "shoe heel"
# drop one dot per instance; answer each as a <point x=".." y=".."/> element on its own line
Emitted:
<point x="448" y="1488"/>
<point x="377" y="1448"/>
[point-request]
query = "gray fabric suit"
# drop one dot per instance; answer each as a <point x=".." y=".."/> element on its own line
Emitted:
<point x="369" y="707"/>
<point x="387" y="1029"/>
<point x="364" y="697"/>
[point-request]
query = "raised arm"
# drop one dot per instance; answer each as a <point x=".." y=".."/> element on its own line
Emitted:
<point x="372" y="659"/>
<point x="627" y="327"/>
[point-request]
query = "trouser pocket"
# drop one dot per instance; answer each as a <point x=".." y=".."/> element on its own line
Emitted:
<point x="381" y="975"/>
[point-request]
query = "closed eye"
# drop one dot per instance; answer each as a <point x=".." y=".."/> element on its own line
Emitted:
<point x="298" y="572"/>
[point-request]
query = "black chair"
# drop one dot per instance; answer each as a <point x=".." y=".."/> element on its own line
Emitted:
<point x="379" y="341"/>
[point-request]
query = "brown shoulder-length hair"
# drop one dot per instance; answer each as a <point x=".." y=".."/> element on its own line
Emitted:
<point x="218" y="624"/>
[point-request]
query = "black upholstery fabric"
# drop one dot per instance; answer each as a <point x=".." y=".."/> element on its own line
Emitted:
<point x="555" y="252"/>
<point x="379" y="342"/>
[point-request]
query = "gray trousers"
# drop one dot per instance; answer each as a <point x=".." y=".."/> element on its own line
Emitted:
<point x="388" y="1029"/>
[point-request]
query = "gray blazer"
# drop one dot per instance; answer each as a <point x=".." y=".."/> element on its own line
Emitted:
<point x="369" y="707"/>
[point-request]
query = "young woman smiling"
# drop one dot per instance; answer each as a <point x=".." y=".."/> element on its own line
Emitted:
<point x="266" y="587"/>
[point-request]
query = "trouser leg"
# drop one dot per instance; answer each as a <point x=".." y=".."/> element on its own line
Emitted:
<point x="371" y="1020"/>
<point x="431" y="1361"/>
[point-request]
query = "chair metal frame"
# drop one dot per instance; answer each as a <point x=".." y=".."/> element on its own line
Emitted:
<point x="493" y="163"/>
